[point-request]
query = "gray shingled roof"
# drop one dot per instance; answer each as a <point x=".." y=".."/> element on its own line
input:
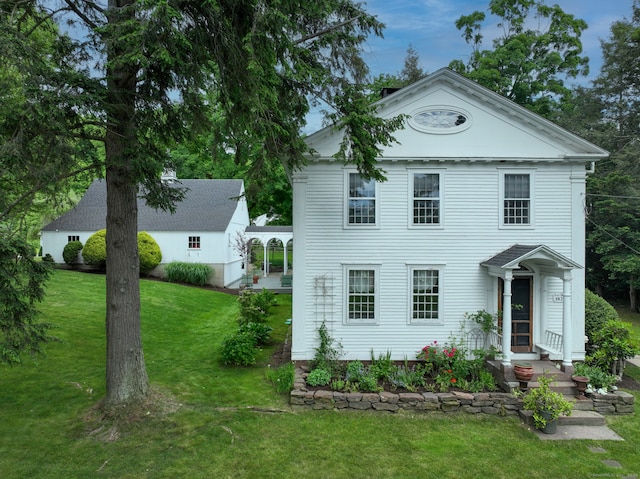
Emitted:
<point x="208" y="206"/>
<point x="510" y="254"/>
<point x="269" y="229"/>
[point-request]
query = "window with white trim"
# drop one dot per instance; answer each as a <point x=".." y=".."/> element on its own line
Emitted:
<point x="361" y="294"/>
<point x="194" y="242"/>
<point x="71" y="238"/>
<point x="426" y="294"/>
<point x="516" y="200"/>
<point x="426" y="198"/>
<point x="361" y="200"/>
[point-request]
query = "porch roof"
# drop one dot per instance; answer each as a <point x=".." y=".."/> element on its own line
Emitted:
<point x="512" y="257"/>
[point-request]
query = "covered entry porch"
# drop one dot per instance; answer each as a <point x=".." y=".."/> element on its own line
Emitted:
<point x="533" y="291"/>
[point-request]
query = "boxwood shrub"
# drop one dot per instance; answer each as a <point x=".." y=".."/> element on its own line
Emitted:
<point x="71" y="251"/>
<point x="95" y="250"/>
<point x="148" y="252"/>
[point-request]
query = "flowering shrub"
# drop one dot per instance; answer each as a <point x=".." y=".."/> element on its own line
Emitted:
<point x="449" y="367"/>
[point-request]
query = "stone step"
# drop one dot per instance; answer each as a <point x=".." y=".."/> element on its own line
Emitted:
<point x="577" y="418"/>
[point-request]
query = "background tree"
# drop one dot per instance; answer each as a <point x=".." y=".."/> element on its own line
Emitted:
<point x="539" y="47"/>
<point x="613" y="105"/>
<point x="411" y="71"/>
<point x="147" y="64"/>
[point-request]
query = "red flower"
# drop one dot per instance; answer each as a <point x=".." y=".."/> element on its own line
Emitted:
<point x="454" y="380"/>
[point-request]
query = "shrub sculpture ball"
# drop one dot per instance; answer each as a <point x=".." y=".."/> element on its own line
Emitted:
<point x="95" y="250"/>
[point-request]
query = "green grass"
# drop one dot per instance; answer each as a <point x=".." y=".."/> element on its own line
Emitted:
<point x="215" y="434"/>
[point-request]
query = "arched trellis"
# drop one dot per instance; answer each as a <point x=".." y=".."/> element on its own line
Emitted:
<point x="265" y="234"/>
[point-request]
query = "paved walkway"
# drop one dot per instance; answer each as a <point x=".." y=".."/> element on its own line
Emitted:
<point x="635" y="361"/>
<point x="270" y="282"/>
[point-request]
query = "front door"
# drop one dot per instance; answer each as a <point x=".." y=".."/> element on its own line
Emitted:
<point x="521" y="313"/>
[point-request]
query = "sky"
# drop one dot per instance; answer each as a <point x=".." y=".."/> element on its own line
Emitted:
<point x="429" y="26"/>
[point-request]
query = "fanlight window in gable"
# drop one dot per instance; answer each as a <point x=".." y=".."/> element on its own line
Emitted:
<point x="440" y="120"/>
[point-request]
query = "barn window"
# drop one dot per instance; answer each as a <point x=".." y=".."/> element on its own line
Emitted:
<point x="194" y="242"/>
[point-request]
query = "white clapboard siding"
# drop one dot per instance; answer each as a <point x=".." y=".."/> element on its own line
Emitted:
<point x="500" y="137"/>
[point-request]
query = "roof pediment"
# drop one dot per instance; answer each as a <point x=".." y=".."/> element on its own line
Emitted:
<point x="519" y="255"/>
<point x="452" y="117"/>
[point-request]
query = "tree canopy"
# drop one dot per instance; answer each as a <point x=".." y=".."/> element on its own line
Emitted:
<point x="142" y="76"/>
<point x="539" y="47"/>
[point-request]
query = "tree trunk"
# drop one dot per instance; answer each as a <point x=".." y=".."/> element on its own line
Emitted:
<point x="127" y="380"/>
<point x="633" y="295"/>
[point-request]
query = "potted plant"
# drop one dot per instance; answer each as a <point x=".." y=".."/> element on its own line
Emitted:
<point x="547" y="405"/>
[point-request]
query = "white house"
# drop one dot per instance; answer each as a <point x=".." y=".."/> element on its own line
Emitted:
<point x="202" y="229"/>
<point x="483" y="209"/>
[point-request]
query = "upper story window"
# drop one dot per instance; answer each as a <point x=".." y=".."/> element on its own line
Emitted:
<point x="426" y="198"/>
<point x="361" y="200"/>
<point x="71" y="238"/>
<point x="516" y="201"/>
<point x="194" y="242"/>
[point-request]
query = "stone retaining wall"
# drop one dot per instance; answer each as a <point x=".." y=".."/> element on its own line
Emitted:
<point x="500" y="403"/>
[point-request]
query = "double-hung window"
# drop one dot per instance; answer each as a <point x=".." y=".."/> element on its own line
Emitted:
<point x="361" y="294"/>
<point x="361" y="200"/>
<point x="426" y="201"/>
<point x="194" y="242"/>
<point x="516" y="199"/>
<point x="71" y="238"/>
<point x="425" y="286"/>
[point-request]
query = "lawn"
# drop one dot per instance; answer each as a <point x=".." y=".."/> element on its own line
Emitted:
<point x="228" y="422"/>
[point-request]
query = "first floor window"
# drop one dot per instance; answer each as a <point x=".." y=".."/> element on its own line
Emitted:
<point x="425" y="295"/>
<point x="194" y="242"/>
<point x="361" y="295"/>
<point x="71" y="238"/>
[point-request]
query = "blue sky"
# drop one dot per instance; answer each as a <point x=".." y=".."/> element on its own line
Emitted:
<point x="429" y="26"/>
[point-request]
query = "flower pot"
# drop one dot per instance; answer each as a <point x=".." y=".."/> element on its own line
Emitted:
<point x="581" y="385"/>
<point x="255" y="279"/>
<point x="523" y="371"/>
<point x="551" y="425"/>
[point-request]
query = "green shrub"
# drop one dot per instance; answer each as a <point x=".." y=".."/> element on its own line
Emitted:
<point x="255" y="307"/>
<point x="71" y="251"/>
<point x="612" y="345"/>
<point x="239" y="349"/>
<point x="597" y="377"/>
<point x="328" y="352"/>
<point x="190" y="273"/>
<point x="282" y="377"/>
<point x="95" y="249"/>
<point x="148" y="252"/>
<point x="597" y="311"/>
<point x="319" y="377"/>
<point x="47" y="258"/>
<point x="260" y="331"/>
<point x="383" y="367"/>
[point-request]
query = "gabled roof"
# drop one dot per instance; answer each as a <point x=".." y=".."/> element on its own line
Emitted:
<point x="496" y="127"/>
<point x="516" y="254"/>
<point x="208" y="205"/>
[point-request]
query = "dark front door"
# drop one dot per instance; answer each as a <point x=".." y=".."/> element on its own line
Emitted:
<point x="521" y="314"/>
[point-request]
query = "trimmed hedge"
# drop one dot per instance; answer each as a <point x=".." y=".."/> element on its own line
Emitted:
<point x="597" y="311"/>
<point x="148" y="251"/>
<point x="71" y="251"/>
<point x="95" y="250"/>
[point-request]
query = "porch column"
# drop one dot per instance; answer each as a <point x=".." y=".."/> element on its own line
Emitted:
<point x="265" y="259"/>
<point x="506" y="319"/>
<point x="566" y="319"/>
<point x="286" y="262"/>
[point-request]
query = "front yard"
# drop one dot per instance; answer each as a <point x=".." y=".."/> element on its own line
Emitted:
<point x="227" y="422"/>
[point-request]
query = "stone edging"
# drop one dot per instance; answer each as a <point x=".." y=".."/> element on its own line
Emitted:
<point x="496" y="403"/>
